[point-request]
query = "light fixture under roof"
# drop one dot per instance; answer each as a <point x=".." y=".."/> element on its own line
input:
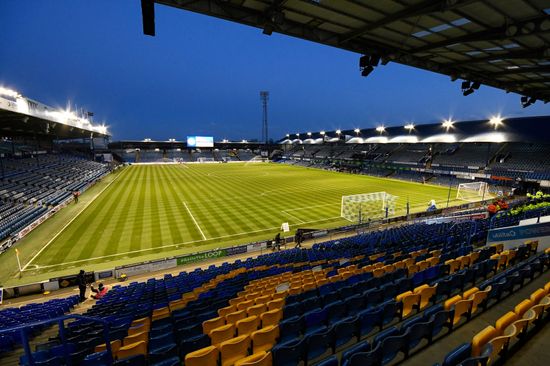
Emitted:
<point x="409" y="126"/>
<point x="380" y="129"/>
<point x="448" y="123"/>
<point x="309" y="133"/>
<point x="356" y="130"/>
<point x="322" y="133"/>
<point x="338" y="132"/>
<point x="496" y="121"/>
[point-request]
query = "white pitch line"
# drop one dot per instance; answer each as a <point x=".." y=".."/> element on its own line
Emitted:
<point x="70" y="221"/>
<point x="294" y="217"/>
<point x="175" y="245"/>
<point x="195" y="221"/>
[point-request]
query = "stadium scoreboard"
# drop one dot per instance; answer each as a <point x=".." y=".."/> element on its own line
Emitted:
<point x="200" y="141"/>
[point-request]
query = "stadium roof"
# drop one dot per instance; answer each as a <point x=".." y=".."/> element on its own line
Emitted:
<point x="496" y="129"/>
<point x="20" y="116"/>
<point x="504" y="44"/>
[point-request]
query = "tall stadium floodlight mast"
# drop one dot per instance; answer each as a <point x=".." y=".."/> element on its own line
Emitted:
<point x="264" y="97"/>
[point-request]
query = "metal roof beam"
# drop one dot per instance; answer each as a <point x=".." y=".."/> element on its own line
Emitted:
<point x="423" y="8"/>
<point x="520" y="70"/>
<point x="537" y="54"/>
<point x="508" y="31"/>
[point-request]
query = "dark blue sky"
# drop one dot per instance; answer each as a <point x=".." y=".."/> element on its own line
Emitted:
<point x="201" y="75"/>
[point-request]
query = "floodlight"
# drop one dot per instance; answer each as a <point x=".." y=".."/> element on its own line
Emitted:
<point x="467" y="92"/>
<point x="496" y="121"/>
<point x="287" y="135"/>
<point x="380" y="129"/>
<point x="367" y="70"/>
<point x="338" y="132"/>
<point x="448" y="124"/>
<point x="409" y="126"/>
<point x="357" y="131"/>
<point x="322" y="133"/>
<point x="9" y="92"/>
<point x="309" y="133"/>
<point x="526" y="101"/>
<point x="244" y="141"/>
<point x="297" y="135"/>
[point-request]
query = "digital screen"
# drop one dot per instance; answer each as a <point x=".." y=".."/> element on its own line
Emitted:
<point x="200" y="141"/>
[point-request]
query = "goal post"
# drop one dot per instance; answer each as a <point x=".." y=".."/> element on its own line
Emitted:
<point x="360" y="207"/>
<point x="472" y="192"/>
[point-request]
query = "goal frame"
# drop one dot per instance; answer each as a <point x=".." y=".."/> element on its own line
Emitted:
<point x="356" y="214"/>
<point x="479" y="191"/>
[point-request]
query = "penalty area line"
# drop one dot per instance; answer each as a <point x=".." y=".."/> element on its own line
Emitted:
<point x="195" y="221"/>
<point x="70" y="222"/>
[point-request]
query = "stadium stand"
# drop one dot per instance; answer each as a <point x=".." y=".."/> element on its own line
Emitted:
<point x="30" y="187"/>
<point x="364" y="298"/>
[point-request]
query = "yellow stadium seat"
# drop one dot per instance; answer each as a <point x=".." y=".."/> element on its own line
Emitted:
<point x="222" y="312"/>
<point x="465" y="261"/>
<point x="474" y="256"/>
<point x="138" y="329"/>
<point x="133" y="349"/>
<point x="280" y="295"/>
<point x="234" y="349"/>
<point x="115" y="346"/>
<point x="256" y="359"/>
<point x="522" y="307"/>
<point x="271" y="317"/>
<point x="308" y="286"/>
<point x="481" y="339"/>
<point x="422" y="265"/>
<point x="433" y="261"/>
<point x="237" y="300"/>
<point x="160" y="313"/>
<point x="467" y="294"/>
<point x="262" y="299"/>
<point x="537" y="295"/>
<point x="478" y="297"/>
<point x="409" y="303"/>
<point x="207" y="356"/>
<point x="499" y="247"/>
<point x="295" y="290"/>
<point x="253" y="295"/>
<point x="235" y="316"/>
<point x="426" y="293"/>
<point x="176" y="305"/>
<point x="210" y="324"/>
<point x="412" y="269"/>
<point x="243" y="305"/>
<point x="501" y="342"/>
<point x="223" y="333"/>
<point x="248" y="325"/>
<point x="265" y="338"/>
<point x="378" y="272"/>
<point x="256" y="310"/>
<point x="504" y="321"/>
<point x="448" y="304"/>
<point x="276" y="304"/>
<point x="141" y="321"/>
<point x="461" y="308"/>
<point x="131" y="339"/>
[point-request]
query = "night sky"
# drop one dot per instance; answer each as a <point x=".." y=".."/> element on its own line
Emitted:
<point x="202" y="76"/>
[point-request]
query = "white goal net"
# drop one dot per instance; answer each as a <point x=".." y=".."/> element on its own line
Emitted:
<point x="205" y="160"/>
<point x="361" y="207"/>
<point x="472" y="192"/>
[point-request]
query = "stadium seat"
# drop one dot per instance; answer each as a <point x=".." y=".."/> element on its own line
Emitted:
<point x="271" y="317"/>
<point x="208" y="325"/>
<point x="202" y="357"/>
<point x="133" y="349"/>
<point x="256" y="359"/>
<point x="223" y="333"/>
<point x="265" y="338"/>
<point x="248" y="325"/>
<point x="234" y="349"/>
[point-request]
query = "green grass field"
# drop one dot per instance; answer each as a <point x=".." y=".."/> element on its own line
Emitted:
<point x="154" y="211"/>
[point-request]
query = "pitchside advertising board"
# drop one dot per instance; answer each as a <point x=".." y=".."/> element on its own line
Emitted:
<point x="513" y="236"/>
<point x="200" y="141"/>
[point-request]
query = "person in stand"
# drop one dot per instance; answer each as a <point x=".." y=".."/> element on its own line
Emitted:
<point x="100" y="292"/>
<point x="298" y="238"/>
<point x="75" y="196"/>
<point x="81" y="282"/>
<point x="278" y="241"/>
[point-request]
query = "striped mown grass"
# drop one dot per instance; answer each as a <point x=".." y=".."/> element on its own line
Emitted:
<point x="152" y="211"/>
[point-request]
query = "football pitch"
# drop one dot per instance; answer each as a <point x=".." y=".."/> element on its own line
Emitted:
<point x="155" y="211"/>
